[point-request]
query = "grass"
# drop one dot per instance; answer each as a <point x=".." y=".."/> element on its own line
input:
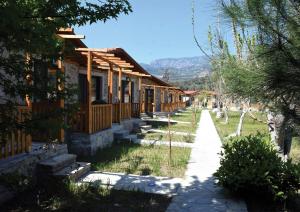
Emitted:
<point x="165" y="137"/>
<point x="85" y="198"/>
<point x="186" y="116"/>
<point x="142" y="160"/>
<point x="295" y="150"/>
<point x="250" y="126"/>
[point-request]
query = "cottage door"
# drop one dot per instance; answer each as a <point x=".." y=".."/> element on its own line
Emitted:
<point x="149" y="99"/>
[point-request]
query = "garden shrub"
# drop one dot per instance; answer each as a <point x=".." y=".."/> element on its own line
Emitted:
<point x="251" y="166"/>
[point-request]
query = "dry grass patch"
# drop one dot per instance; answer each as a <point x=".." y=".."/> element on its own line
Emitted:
<point x="142" y="160"/>
<point x="165" y="137"/>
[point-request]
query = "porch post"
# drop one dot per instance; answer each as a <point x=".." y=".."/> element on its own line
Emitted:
<point x="110" y="83"/>
<point x="140" y="94"/>
<point x="154" y="99"/>
<point x="120" y="93"/>
<point x="89" y="89"/>
<point x="61" y="133"/>
<point x="130" y="102"/>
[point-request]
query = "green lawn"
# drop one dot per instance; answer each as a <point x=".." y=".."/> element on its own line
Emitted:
<point x="165" y="137"/>
<point x="141" y="160"/>
<point x="250" y="126"/>
<point x="86" y="198"/>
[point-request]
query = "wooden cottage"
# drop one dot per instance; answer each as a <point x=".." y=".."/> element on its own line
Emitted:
<point x="113" y="90"/>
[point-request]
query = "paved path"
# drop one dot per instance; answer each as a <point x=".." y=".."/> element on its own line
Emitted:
<point x="121" y="181"/>
<point x="198" y="191"/>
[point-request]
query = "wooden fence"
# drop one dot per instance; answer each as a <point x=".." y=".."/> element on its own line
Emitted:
<point x="18" y="141"/>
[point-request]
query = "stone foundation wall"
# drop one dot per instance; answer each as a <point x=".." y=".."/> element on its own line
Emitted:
<point x="85" y="145"/>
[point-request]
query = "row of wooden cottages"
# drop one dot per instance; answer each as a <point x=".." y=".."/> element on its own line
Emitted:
<point x="113" y="88"/>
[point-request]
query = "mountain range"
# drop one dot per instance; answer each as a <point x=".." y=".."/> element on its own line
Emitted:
<point x="180" y="69"/>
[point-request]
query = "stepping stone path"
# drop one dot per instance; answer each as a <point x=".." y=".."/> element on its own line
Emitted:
<point x="198" y="191"/>
<point x="163" y="143"/>
<point x="121" y="181"/>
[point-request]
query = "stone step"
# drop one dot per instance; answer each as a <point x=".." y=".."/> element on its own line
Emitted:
<point x="56" y="163"/>
<point x="129" y="138"/>
<point x="120" y="134"/>
<point x="5" y="194"/>
<point x="146" y="127"/>
<point x="142" y="123"/>
<point x="74" y="171"/>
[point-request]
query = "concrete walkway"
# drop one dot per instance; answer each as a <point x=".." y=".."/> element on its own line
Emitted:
<point x="198" y="192"/>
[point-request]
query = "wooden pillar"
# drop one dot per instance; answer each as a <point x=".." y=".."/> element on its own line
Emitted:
<point x="61" y="101"/>
<point x="140" y="94"/>
<point x="28" y="79"/>
<point x="120" y="92"/>
<point x="130" y="102"/>
<point x="89" y="92"/>
<point x="154" y="99"/>
<point x="110" y="83"/>
<point x="130" y="90"/>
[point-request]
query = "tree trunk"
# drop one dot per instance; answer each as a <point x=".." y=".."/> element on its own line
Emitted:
<point x="240" y="125"/>
<point x="226" y="115"/>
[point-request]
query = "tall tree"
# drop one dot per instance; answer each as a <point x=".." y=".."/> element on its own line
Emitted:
<point x="273" y="73"/>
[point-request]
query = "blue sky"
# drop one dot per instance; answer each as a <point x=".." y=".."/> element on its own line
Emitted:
<point x="156" y="29"/>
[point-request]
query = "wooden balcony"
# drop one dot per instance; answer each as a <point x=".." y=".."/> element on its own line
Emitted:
<point x="18" y="141"/>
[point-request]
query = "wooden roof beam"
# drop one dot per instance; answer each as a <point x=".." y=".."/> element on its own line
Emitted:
<point x="98" y="54"/>
<point x="65" y="36"/>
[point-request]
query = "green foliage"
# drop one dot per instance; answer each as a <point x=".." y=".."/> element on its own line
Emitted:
<point x="200" y="83"/>
<point x="250" y="166"/>
<point x="16" y="181"/>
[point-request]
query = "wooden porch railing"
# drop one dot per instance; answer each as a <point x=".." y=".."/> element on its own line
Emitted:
<point x="18" y="142"/>
<point x="135" y="110"/>
<point x="125" y="111"/>
<point x="78" y="121"/>
<point x="101" y="117"/>
<point x="115" y="113"/>
<point x="45" y="110"/>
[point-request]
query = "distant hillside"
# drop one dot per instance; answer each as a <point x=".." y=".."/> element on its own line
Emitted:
<point x="180" y="69"/>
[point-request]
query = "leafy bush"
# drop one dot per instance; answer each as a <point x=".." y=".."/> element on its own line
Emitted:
<point x="250" y="165"/>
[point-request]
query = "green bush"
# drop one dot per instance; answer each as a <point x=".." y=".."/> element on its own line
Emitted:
<point x="251" y="166"/>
